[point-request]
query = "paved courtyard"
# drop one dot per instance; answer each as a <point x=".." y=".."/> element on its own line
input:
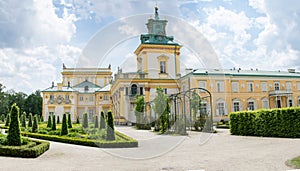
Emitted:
<point x="198" y="151"/>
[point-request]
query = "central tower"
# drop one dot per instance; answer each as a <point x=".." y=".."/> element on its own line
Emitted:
<point x="158" y="55"/>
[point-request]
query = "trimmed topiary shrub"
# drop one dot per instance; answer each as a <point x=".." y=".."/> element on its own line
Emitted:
<point x="58" y="121"/>
<point x="110" y="130"/>
<point x="96" y="124"/>
<point x="35" y="127"/>
<point x="77" y="120"/>
<point x="85" y="123"/>
<point x="23" y="124"/>
<point x="14" y="135"/>
<point x="69" y="121"/>
<point x="49" y="123"/>
<point x="30" y="120"/>
<point x="53" y="123"/>
<point x="64" y="127"/>
<point x="102" y="121"/>
<point x="3" y="118"/>
<point x="7" y="121"/>
<point x="41" y="118"/>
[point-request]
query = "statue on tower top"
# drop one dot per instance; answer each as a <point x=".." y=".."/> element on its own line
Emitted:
<point x="156" y="12"/>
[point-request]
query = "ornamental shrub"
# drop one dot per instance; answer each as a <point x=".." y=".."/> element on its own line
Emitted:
<point x="110" y="130"/>
<point x="35" y="126"/>
<point x="41" y="118"/>
<point x="14" y="135"/>
<point x="2" y="117"/>
<point x="58" y="121"/>
<point x="49" y="123"/>
<point x="102" y="121"/>
<point x="53" y="123"/>
<point x="85" y="123"/>
<point x="69" y="121"/>
<point x="64" y="127"/>
<point x="96" y="124"/>
<point x="30" y="120"/>
<point x="77" y="120"/>
<point x="23" y="124"/>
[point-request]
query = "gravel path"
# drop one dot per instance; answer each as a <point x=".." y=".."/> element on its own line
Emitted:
<point x="198" y="151"/>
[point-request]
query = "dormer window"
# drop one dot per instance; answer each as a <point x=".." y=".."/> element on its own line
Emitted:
<point x="86" y="88"/>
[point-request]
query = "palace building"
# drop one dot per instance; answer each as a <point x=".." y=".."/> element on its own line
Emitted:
<point x="93" y="90"/>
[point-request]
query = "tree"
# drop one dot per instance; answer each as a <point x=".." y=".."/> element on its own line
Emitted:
<point x="33" y="103"/>
<point x="96" y="124"/>
<point x="162" y="109"/>
<point x="58" y="121"/>
<point x="7" y="120"/>
<point x="102" y="121"/>
<point x="85" y="122"/>
<point x="64" y="127"/>
<point x="110" y="130"/>
<point x="35" y="124"/>
<point x="69" y="121"/>
<point x="49" y="123"/>
<point x="4" y="107"/>
<point x="14" y="133"/>
<point x="139" y="111"/>
<point x="30" y="120"/>
<point x="23" y="124"/>
<point x="2" y="117"/>
<point x="53" y="123"/>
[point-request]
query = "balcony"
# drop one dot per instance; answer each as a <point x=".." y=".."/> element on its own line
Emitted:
<point x="280" y="92"/>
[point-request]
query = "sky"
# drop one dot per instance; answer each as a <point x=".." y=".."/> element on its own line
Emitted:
<point x="37" y="36"/>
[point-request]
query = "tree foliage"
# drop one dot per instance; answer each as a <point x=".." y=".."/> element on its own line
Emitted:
<point x="69" y="121"/>
<point x="102" y="121"/>
<point x="110" y="130"/>
<point x="96" y="122"/>
<point x="14" y="133"/>
<point x="23" y="124"/>
<point x="53" y="123"/>
<point x="7" y="120"/>
<point x="35" y="125"/>
<point x="30" y="120"/>
<point x="195" y="105"/>
<point x="64" y="127"/>
<point x="85" y="122"/>
<point x="49" y="123"/>
<point x="162" y="109"/>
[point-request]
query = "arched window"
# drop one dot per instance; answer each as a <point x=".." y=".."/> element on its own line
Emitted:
<point x="133" y="89"/>
<point x="251" y="104"/>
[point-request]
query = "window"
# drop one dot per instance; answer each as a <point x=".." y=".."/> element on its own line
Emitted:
<point x="236" y="106"/>
<point x="265" y="103"/>
<point x="264" y="86"/>
<point x="141" y="91"/>
<point x="276" y="86"/>
<point x="133" y="89"/>
<point x="165" y="91"/>
<point x="162" y="66"/>
<point x="51" y="113"/>
<point x="250" y="86"/>
<point x="86" y="88"/>
<point x="290" y="103"/>
<point x="51" y="97"/>
<point x="288" y="86"/>
<point x="220" y="86"/>
<point x="250" y="105"/>
<point x="126" y="90"/>
<point x="67" y="97"/>
<point x="220" y="109"/>
<point x="91" y="114"/>
<point x="203" y="108"/>
<point x="105" y="97"/>
<point x="81" y="98"/>
<point x="235" y="86"/>
<point x="202" y="84"/>
<point x="91" y="98"/>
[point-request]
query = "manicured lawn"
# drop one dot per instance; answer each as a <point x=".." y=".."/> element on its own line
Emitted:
<point x="294" y="163"/>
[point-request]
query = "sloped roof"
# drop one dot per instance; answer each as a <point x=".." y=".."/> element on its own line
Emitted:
<point x="91" y="87"/>
<point x="105" y="88"/>
<point x="55" y="89"/>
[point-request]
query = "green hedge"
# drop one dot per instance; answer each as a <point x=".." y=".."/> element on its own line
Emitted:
<point x="283" y="122"/>
<point x="127" y="142"/>
<point x="31" y="150"/>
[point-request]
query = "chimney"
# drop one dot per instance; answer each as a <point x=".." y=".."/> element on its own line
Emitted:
<point x="59" y="86"/>
<point x="291" y="70"/>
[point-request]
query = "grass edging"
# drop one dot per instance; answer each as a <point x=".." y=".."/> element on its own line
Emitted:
<point x="294" y="163"/>
<point x="32" y="150"/>
<point x="127" y="143"/>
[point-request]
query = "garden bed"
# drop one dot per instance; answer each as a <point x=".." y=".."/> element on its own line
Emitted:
<point x="29" y="149"/>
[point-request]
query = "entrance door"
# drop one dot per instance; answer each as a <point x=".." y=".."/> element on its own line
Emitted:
<point x="278" y="103"/>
